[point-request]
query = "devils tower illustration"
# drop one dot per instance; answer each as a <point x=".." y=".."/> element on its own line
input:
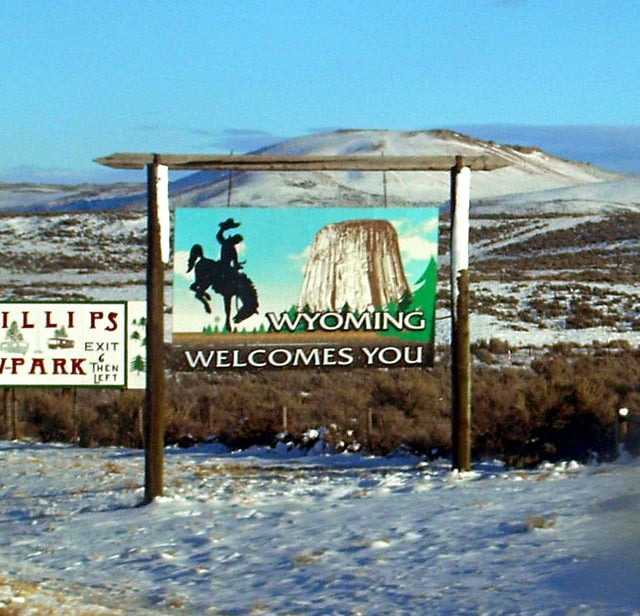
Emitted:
<point x="354" y="264"/>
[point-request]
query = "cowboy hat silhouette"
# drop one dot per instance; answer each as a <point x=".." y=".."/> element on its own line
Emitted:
<point x="229" y="224"/>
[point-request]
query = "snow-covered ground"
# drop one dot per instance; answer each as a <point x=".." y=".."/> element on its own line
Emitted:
<point x="280" y="532"/>
<point x="484" y="327"/>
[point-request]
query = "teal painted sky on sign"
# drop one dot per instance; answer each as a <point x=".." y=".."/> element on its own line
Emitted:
<point x="275" y="246"/>
<point x="82" y="79"/>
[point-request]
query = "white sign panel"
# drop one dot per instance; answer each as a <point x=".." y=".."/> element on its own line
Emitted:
<point x="137" y="344"/>
<point x="63" y="344"/>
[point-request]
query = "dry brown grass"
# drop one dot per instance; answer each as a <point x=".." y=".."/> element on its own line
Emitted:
<point x="560" y="406"/>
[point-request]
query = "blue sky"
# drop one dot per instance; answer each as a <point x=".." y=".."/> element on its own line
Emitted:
<point x="85" y="78"/>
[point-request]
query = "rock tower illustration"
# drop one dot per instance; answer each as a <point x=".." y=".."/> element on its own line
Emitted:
<point x="356" y="264"/>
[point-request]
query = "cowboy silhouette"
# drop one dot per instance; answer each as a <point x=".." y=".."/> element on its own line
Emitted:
<point x="224" y="276"/>
<point x="228" y="251"/>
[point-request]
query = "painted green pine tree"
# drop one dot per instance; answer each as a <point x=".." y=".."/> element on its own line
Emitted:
<point x="13" y="333"/>
<point x="422" y="300"/>
<point x="140" y="326"/>
<point x="424" y="297"/>
<point x="138" y="364"/>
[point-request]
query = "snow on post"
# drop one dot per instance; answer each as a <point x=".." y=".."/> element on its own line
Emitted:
<point x="459" y="227"/>
<point x="162" y="205"/>
<point x="460" y="332"/>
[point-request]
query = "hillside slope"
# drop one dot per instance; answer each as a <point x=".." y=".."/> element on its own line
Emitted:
<point x="530" y="169"/>
<point x="556" y="264"/>
<point x="596" y="197"/>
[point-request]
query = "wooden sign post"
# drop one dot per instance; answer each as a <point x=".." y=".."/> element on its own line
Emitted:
<point x="460" y="331"/>
<point x="157" y="185"/>
<point x="157" y="191"/>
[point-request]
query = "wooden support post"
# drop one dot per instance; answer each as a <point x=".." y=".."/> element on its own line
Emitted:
<point x="229" y="184"/>
<point x="141" y="413"/>
<point x="5" y="411"/>
<point x="460" y="186"/>
<point x="210" y="411"/>
<point x="75" y="419"/>
<point x="154" y="399"/>
<point x="460" y="331"/>
<point x="15" y="426"/>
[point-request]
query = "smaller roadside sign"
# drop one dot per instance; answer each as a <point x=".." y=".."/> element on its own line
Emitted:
<point x="56" y="344"/>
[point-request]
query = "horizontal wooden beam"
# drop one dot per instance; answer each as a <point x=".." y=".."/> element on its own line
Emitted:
<point x="259" y="162"/>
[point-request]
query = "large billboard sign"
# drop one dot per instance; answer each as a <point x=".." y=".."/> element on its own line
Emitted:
<point x="63" y="344"/>
<point x="262" y="288"/>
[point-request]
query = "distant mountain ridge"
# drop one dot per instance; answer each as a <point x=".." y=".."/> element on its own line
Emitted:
<point x="553" y="244"/>
<point x="530" y="170"/>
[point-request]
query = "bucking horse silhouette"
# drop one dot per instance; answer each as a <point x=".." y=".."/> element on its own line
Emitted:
<point x="224" y="280"/>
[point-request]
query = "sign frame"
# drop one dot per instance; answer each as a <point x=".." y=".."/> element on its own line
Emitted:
<point x="155" y="165"/>
<point x="324" y="288"/>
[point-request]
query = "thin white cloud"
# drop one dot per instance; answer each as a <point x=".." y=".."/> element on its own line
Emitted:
<point x="180" y="261"/>
<point x="413" y="240"/>
<point x="300" y="259"/>
<point x="416" y="248"/>
<point x="34" y="174"/>
<point x="243" y="140"/>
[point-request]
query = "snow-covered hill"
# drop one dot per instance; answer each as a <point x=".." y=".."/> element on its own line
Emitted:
<point x="530" y="169"/>
<point x="548" y="236"/>
<point x="28" y="198"/>
<point x="582" y="199"/>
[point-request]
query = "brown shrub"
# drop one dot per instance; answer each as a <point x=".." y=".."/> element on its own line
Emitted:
<point x="562" y="406"/>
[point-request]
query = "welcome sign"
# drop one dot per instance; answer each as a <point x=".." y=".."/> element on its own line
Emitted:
<point x="304" y="287"/>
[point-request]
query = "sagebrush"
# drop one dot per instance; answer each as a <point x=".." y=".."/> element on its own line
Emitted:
<point x="561" y="405"/>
